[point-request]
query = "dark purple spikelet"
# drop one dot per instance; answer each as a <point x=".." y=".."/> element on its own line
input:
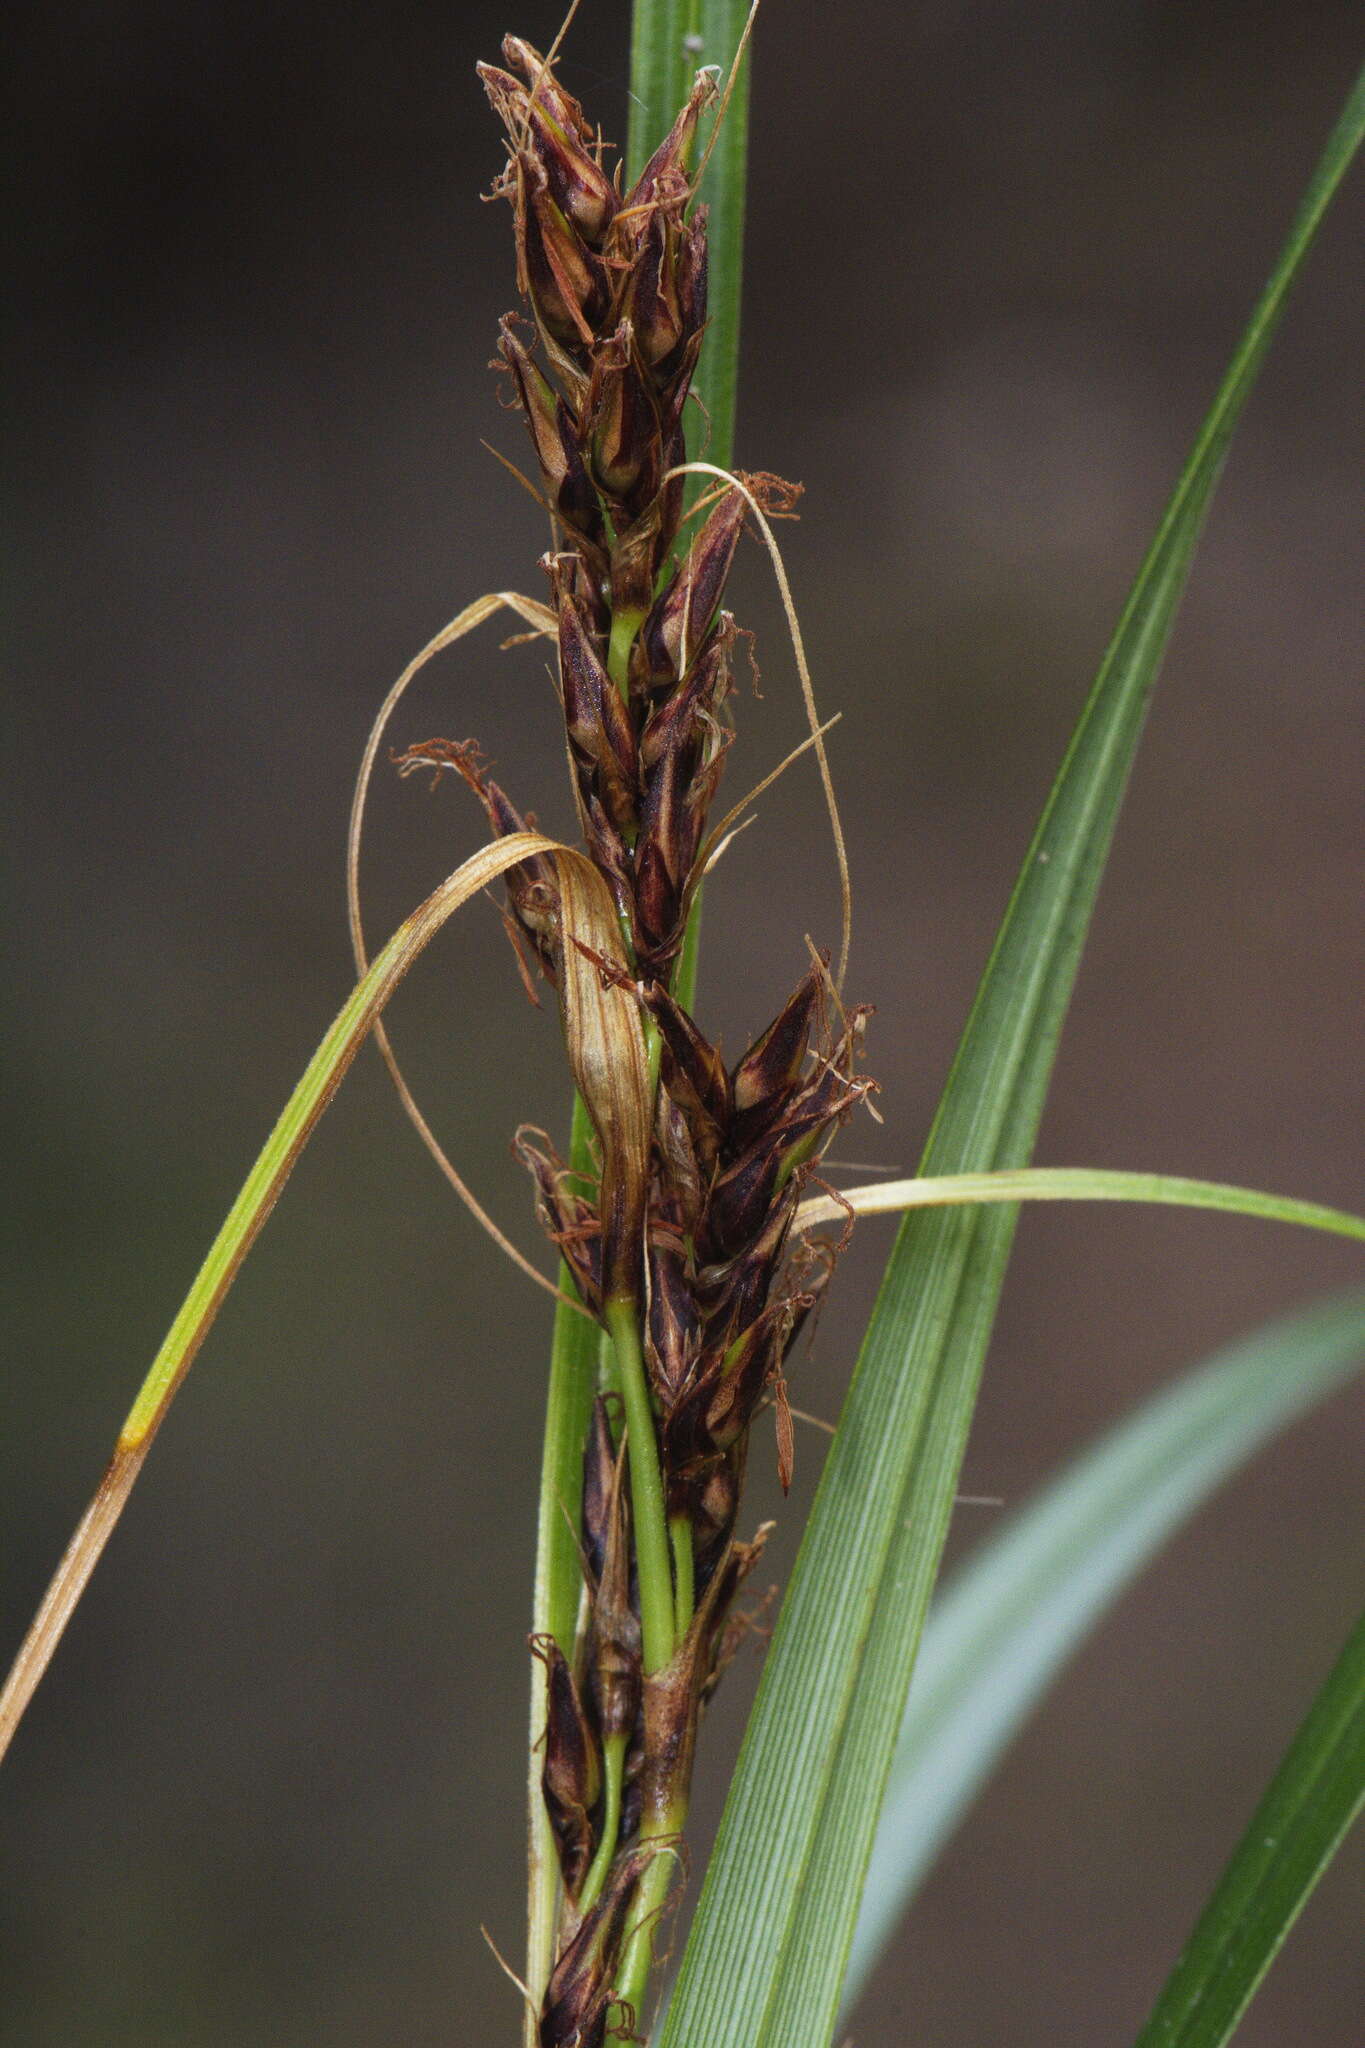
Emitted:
<point x="571" y="1776"/>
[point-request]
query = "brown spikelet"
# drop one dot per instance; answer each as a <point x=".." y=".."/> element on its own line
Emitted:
<point x="575" y="2011"/>
<point x="571" y="1776"/>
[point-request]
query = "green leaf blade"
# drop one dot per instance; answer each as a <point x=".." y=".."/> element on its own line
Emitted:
<point x="766" y="1957"/>
<point x="1311" y="1801"/>
<point x="671" y="40"/>
<point x="1022" y="1604"/>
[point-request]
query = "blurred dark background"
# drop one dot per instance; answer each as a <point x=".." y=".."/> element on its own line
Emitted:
<point x="997" y="258"/>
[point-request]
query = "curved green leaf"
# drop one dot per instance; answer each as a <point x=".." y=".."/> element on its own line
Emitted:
<point x="1311" y="1801"/>
<point x="1008" y="1620"/>
<point x="321" y="1079"/>
<point x="1077" y="1184"/>
<point x="766" y="1958"/>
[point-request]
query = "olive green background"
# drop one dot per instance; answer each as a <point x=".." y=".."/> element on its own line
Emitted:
<point x="998" y="255"/>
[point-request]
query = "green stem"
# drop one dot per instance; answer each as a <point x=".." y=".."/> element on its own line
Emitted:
<point x="632" y="1983"/>
<point x="573" y="1382"/>
<point x="652" y="1557"/>
<point x="684" y="1575"/>
<point x="654" y="1052"/>
<point x="613" y="1770"/>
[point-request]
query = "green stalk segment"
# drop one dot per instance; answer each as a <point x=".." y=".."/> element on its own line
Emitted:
<point x="652" y="1551"/>
<point x="613" y="1771"/>
<point x="568" y="1408"/>
<point x="650" y="1899"/>
<point x="684" y="1573"/>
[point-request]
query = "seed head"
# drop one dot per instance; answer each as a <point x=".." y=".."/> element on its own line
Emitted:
<point x="687" y="1214"/>
<point x="571" y="1777"/>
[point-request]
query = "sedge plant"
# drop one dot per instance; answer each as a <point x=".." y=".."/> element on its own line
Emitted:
<point x="693" y="1232"/>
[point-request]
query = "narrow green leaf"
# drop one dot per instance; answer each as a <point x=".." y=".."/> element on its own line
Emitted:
<point x="1076" y="1184"/>
<point x="766" y="1958"/>
<point x="1002" y="1629"/>
<point x="660" y="73"/>
<point x="1294" y="1833"/>
<point x="671" y="41"/>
